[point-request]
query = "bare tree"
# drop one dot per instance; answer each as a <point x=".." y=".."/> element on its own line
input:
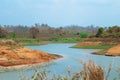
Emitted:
<point x="3" y="33"/>
<point x="34" y="32"/>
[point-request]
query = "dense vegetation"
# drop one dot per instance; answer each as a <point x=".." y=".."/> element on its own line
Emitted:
<point x="37" y="33"/>
<point x="110" y="32"/>
<point x="46" y="32"/>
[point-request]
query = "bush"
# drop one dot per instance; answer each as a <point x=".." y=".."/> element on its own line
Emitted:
<point x="100" y="31"/>
<point x="83" y="34"/>
<point x="13" y="35"/>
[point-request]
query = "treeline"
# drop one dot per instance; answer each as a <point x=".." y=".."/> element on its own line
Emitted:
<point x="46" y="32"/>
<point x="110" y="32"/>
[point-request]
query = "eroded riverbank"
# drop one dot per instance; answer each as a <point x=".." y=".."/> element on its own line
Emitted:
<point x="13" y="55"/>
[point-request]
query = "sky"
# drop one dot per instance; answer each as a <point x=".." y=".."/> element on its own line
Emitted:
<point x="60" y="12"/>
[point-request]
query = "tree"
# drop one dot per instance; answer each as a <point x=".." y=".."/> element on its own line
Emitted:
<point x="114" y="31"/>
<point x="100" y="31"/>
<point x="34" y="32"/>
<point x="14" y="34"/>
<point x="83" y="34"/>
<point x="3" y="33"/>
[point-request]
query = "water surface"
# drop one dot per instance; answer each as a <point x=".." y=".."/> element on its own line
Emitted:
<point x="71" y="57"/>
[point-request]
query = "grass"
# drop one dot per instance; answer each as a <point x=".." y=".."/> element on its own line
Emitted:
<point x="90" y="71"/>
<point x="28" y="41"/>
<point x="66" y="40"/>
<point x="35" y="43"/>
<point x="103" y="48"/>
<point x="93" y="47"/>
<point x="31" y="42"/>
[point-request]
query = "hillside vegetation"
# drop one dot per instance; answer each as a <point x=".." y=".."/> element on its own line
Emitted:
<point x="45" y="32"/>
<point x="105" y="39"/>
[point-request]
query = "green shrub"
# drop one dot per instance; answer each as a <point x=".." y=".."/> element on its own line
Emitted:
<point x="83" y="34"/>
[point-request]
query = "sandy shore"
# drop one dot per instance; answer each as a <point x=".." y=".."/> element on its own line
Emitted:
<point x="14" y="56"/>
<point x="24" y="67"/>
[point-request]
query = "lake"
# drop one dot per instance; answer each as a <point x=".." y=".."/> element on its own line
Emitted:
<point x="71" y="58"/>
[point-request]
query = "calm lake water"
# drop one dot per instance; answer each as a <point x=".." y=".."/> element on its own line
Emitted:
<point x="71" y="57"/>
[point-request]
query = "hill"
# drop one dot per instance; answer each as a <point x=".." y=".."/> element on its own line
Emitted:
<point x="12" y="53"/>
<point x="114" y="51"/>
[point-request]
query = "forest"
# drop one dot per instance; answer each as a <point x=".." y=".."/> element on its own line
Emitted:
<point x="45" y="32"/>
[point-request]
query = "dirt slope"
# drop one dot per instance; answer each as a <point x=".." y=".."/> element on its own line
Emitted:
<point x="114" y="51"/>
<point x="88" y="43"/>
<point x="12" y="54"/>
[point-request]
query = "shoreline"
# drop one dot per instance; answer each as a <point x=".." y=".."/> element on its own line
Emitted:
<point x="103" y="49"/>
<point x="14" y="56"/>
<point x="26" y="66"/>
<point x="20" y="67"/>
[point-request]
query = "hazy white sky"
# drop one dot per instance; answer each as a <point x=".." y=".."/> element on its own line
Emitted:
<point x="60" y="12"/>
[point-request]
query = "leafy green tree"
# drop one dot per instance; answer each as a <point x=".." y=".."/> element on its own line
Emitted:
<point x="13" y="34"/>
<point x="83" y="34"/>
<point x="100" y="32"/>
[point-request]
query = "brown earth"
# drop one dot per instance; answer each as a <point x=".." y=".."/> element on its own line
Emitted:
<point x="114" y="51"/>
<point x="109" y="41"/>
<point x="88" y="43"/>
<point x="12" y="54"/>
